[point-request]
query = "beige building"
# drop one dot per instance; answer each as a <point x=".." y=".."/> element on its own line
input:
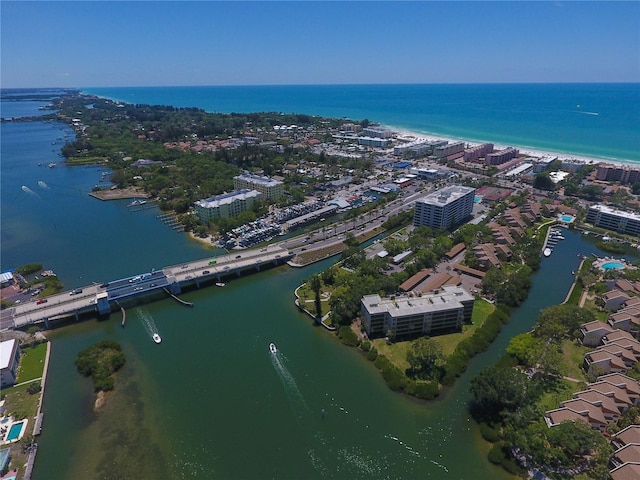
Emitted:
<point x="226" y="205"/>
<point x="270" y="188"/>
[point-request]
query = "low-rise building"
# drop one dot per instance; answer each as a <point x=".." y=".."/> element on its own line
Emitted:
<point x="271" y="189"/>
<point x="614" y="219"/>
<point x="411" y="315"/>
<point x="9" y="361"/>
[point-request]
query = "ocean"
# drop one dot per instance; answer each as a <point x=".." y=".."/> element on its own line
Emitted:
<point x="599" y="121"/>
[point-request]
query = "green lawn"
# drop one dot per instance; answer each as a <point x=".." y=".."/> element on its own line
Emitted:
<point x="552" y="400"/>
<point x="397" y="352"/>
<point x="573" y="355"/>
<point x="19" y="403"/>
<point x="32" y="363"/>
<point x="481" y="310"/>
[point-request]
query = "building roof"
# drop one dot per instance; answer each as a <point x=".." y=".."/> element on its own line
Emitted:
<point x="628" y="435"/>
<point x="626" y="471"/>
<point x="446" y="195"/>
<point x="6" y="352"/>
<point x="613" y="211"/>
<point x="448" y="298"/>
<point x="228" y="198"/>
<point x="6" y="277"/>
<point x="414" y="280"/>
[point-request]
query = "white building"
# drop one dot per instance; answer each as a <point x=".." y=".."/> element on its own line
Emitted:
<point x="614" y="219"/>
<point x="226" y="205"/>
<point x="9" y="360"/>
<point x="270" y="188"/>
<point x="444" y="208"/>
<point x="410" y="315"/>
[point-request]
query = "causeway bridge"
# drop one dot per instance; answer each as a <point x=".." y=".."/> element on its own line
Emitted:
<point x="102" y="298"/>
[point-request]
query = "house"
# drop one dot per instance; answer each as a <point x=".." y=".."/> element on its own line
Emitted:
<point x="602" y="362"/>
<point x="9" y="360"/>
<point x="627" y="436"/>
<point x="563" y="414"/>
<point x="627" y="454"/>
<point x="594" y="412"/>
<point x="607" y="404"/>
<point x="593" y="332"/>
<point x="627" y="319"/>
<point x="630" y="386"/>
<point x="613" y="299"/>
<point x="626" y="471"/>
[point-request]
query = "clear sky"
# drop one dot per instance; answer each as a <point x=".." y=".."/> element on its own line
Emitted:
<point x="144" y="43"/>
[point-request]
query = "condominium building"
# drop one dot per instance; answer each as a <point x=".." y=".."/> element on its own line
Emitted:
<point x="503" y="156"/>
<point x="408" y="315"/>
<point x="377" y="132"/>
<point x="617" y="173"/>
<point x="226" y="205"/>
<point x="449" y="149"/>
<point x="270" y="188"/>
<point x="444" y="208"/>
<point x="474" y="154"/>
<point x="613" y="219"/>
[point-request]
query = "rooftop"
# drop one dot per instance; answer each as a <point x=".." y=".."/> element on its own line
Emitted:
<point x="446" y="195"/>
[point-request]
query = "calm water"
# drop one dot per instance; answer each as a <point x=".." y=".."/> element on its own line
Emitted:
<point x="595" y="120"/>
<point x="210" y="401"/>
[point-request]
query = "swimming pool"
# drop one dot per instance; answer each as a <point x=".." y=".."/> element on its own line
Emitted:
<point x="15" y="431"/>
<point x="567" y="218"/>
<point x="612" y="266"/>
<point x="477" y="199"/>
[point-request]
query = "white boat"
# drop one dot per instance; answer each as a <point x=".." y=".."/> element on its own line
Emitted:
<point x="272" y="348"/>
<point x="137" y="202"/>
<point x="219" y="284"/>
<point x="156" y="338"/>
<point x="546" y="252"/>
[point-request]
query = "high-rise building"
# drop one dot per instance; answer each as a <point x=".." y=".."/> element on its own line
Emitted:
<point x="613" y="219"/>
<point x="226" y="205"/>
<point x="444" y="208"/>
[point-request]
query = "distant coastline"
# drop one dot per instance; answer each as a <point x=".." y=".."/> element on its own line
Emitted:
<point x="542" y="118"/>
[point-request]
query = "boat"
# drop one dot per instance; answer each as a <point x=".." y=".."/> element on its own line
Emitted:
<point x="272" y="348"/>
<point x="137" y="202"/>
<point x="546" y="252"/>
<point x="219" y="284"/>
<point x="51" y="165"/>
<point x="156" y="338"/>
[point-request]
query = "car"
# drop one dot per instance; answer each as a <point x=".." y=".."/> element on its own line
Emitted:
<point x="75" y="291"/>
<point x="206" y="272"/>
<point x="41" y="301"/>
<point x="238" y="256"/>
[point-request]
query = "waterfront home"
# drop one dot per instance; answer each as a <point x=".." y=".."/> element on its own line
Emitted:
<point x="602" y="362"/>
<point x="591" y="417"/>
<point x="613" y="299"/>
<point x="9" y="360"/>
<point x="592" y="332"/>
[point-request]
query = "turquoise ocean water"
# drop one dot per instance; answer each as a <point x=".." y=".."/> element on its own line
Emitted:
<point x="600" y="121"/>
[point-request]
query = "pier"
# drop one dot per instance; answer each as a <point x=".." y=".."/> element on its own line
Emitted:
<point x="100" y="299"/>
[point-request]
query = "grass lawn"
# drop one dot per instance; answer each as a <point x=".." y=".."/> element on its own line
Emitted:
<point x="397" y="352"/>
<point x="551" y="400"/>
<point x="573" y="357"/>
<point x="600" y="315"/>
<point x="19" y="403"/>
<point x="481" y="310"/>
<point x="32" y="363"/>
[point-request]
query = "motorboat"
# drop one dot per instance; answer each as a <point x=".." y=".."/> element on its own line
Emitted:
<point x="156" y="338"/>
<point x="272" y="348"/>
<point x="219" y="284"/>
<point x="546" y="252"/>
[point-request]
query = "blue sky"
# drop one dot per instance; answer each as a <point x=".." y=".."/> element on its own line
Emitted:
<point x="93" y="44"/>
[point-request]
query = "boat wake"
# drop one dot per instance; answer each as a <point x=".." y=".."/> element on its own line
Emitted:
<point x="296" y="400"/>
<point x="27" y="190"/>
<point x="149" y="325"/>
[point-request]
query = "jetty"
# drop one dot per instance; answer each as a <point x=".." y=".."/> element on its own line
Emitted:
<point x="100" y="299"/>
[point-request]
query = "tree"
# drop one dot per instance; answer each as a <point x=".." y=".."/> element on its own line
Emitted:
<point x="425" y="358"/>
<point x="315" y="284"/>
<point x="561" y="321"/>
<point x="498" y="391"/>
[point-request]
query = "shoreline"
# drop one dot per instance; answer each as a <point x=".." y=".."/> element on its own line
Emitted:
<point x="528" y="151"/>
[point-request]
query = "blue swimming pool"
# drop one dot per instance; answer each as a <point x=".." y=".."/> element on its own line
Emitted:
<point x="612" y="266"/>
<point x="14" y="431"/>
<point x="567" y="218"/>
<point x="477" y="199"/>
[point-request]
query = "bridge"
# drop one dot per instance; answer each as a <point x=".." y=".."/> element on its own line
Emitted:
<point x="100" y="298"/>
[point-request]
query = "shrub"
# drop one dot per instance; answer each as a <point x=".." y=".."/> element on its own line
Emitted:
<point x="365" y="346"/>
<point x="372" y="355"/>
<point x="396" y="380"/>
<point x="33" y="388"/>
<point x="496" y="454"/>
<point x="347" y="336"/>
<point x="424" y="390"/>
<point x="489" y="433"/>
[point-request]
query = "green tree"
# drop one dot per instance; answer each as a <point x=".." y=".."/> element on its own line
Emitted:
<point x="425" y="358"/>
<point x="315" y="285"/>
<point x="498" y="391"/>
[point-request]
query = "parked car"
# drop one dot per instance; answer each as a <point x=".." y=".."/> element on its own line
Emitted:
<point x="41" y="301"/>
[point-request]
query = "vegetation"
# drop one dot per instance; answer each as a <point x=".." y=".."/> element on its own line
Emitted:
<point x="100" y="361"/>
<point x="29" y="268"/>
<point x="611" y="247"/>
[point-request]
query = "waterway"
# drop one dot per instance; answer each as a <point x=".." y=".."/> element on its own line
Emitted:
<point x="210" y="401"/>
